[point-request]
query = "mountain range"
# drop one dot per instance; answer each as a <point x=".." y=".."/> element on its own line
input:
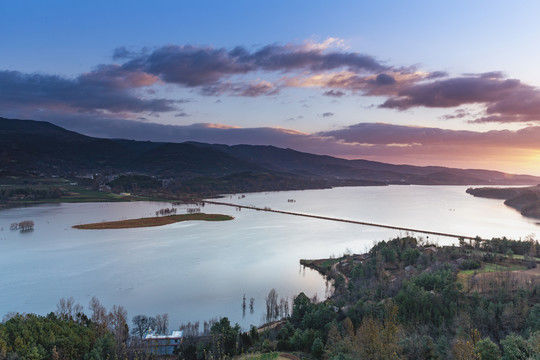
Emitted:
<point x="37" y="147"/>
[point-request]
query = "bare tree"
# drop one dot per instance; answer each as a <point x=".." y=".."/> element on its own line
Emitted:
<point x="118" y="323"/>
<point x="141" y="324"/>
<point x="208" y="325"/>
<point x="9" y="315"/>
<point x="26" y="225"/>
<point x="67" y="309"/>
<point x="119" y="327"/>
<point x="191" y="329"/>
<point x="284" y="307"/>
<point x="162" y="323"/>
<point x="251" y="305"/>
<point x="99" y="316"/>
<point x="272" y="307"/>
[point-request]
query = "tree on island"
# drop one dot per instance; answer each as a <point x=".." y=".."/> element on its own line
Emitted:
<point x="23" y="225"/>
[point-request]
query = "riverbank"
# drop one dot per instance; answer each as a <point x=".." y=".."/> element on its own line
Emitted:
<point x="30" y="191"/>
<point x="152" y="221"/>
<point x="526" y="200"/>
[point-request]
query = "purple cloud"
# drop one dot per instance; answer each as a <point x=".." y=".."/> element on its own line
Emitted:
<point x="505" y="100"/>
<point x="108" y="88"/>
<point x="453" y="92"/>
<point x="384" y="79"/>
<point x="389" y="134"/>
<point x="131" y="85"/>
<point x="193" y="66"/>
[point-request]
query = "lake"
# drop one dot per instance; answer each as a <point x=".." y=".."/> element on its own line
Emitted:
<point x="195" y="271"/>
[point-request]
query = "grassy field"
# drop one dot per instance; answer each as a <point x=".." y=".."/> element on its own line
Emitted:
<point x="322" y="264"/>
<point x="489" y="267"/>
<point x="521" y="257"/>
<point x="153" y="221"/>
<point x="71" y="192"/>
<point x="464" y="276"/>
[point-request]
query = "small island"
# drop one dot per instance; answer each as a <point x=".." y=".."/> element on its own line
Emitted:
<point x="153" y="221"/>
<point x="526" y="200"/>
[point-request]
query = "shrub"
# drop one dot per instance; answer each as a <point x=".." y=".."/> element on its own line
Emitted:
<point x="469" y="264"/>
<point x="409" y="256"/>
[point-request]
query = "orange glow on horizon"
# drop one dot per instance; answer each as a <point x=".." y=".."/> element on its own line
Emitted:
<point x="220" y="126"/>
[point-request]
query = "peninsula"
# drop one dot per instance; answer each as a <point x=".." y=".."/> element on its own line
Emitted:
<point x="526" y="200"/>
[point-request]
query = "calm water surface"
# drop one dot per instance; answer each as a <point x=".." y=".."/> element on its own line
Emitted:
<point x="200" y="270"/>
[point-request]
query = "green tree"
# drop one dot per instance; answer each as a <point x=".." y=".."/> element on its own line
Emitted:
<point x="488" y="350"/>
<point x="225" y="338"/>
<point x="514" y="348"/>
<point x="301" y="305"/>
<point x="317" y="348"/>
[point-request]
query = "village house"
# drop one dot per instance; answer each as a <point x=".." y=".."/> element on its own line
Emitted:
<point x="161" y="344"/>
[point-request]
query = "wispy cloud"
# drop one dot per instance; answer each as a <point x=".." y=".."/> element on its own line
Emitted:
<point x="389" y="134"/>
<point x="334" y="93"/>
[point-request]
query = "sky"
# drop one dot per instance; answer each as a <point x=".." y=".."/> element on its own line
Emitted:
<point x="418" y="82"/>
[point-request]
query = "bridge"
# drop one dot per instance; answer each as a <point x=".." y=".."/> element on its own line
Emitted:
<point x="429" y="232"/>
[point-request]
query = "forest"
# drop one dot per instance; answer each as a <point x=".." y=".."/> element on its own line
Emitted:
<point x="404" y="299"/>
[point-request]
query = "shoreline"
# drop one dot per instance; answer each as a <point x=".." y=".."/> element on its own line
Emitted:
<point x="525" y="200"/>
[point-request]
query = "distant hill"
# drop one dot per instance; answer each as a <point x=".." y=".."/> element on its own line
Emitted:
<point x="42" y="148"/>
<point x="317" y="166"/>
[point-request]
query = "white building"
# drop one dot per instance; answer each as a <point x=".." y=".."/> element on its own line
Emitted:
<point x="161" y="344"/>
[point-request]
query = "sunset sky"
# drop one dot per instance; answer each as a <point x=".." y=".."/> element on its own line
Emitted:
<point x="453" y="83"/>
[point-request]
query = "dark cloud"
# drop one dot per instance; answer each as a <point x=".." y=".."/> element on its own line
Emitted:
<point x="121" y="53"/>
<point x="181" y="114"/>
<point x="452" y="93"/>
<point x="436" y="75"/>
<point x="108" y="88"/>
<point x="327" y="114"/>
<point x="334" y="93"/>
<point x="384" y="79"/>
<point x="505" y="100"/>
<point x="189" y="65"/>
<point x="130" y="86"/>
<point x="196" y="66"/>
